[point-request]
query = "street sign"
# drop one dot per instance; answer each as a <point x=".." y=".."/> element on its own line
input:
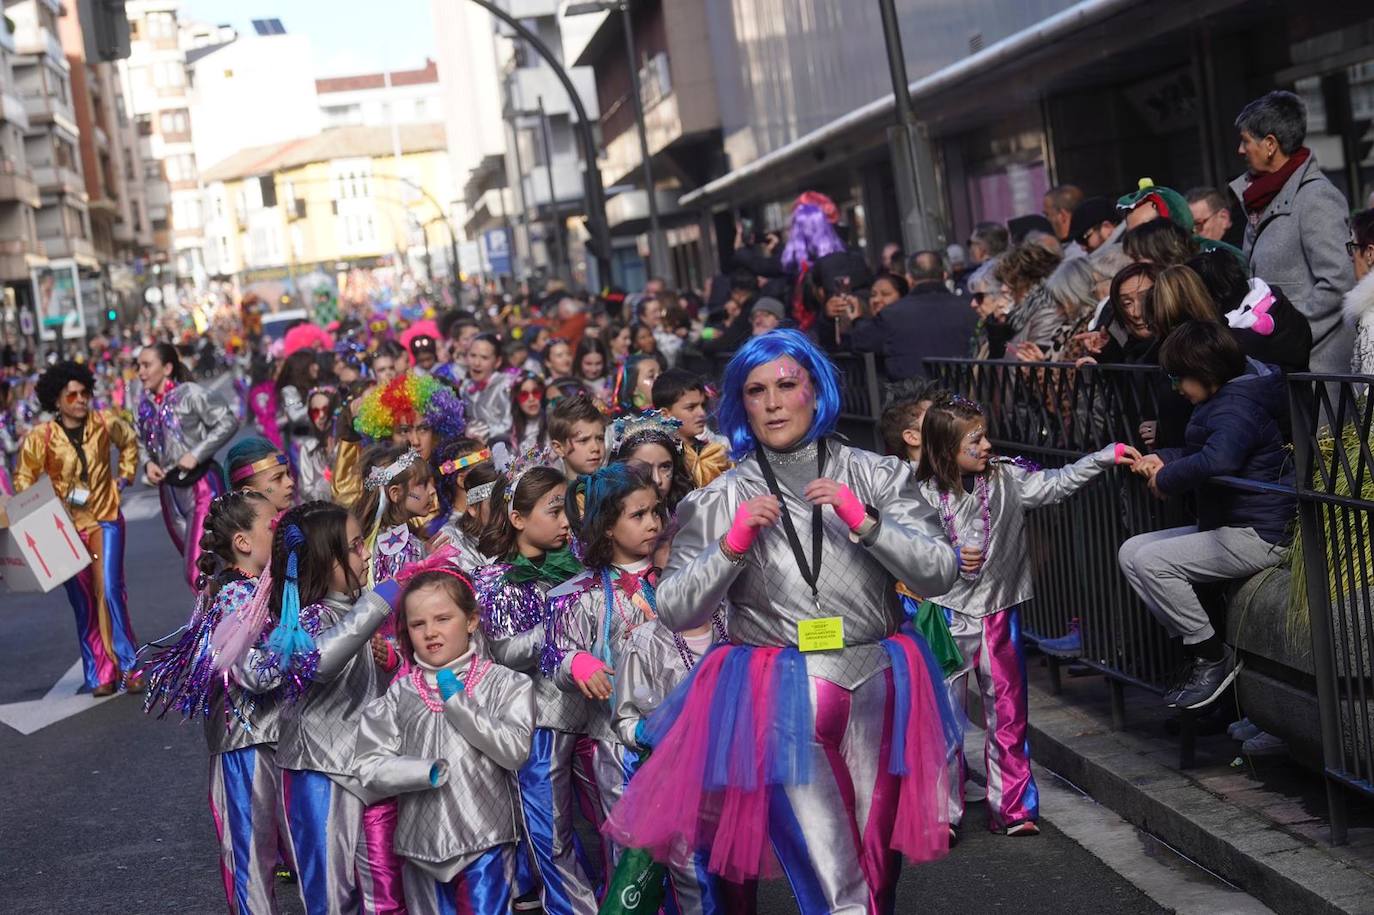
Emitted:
<point x="40" y="547"/>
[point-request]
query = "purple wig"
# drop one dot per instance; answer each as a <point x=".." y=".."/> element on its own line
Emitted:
<point x="810" y="236"/>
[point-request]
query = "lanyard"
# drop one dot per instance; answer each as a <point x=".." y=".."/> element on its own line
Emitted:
<point x="811" y="573"/>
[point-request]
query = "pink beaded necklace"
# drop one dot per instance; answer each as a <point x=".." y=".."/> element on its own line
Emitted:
<point x="430" y="695"/>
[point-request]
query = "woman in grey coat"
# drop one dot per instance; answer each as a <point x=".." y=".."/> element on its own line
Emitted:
<point x="1297" y="222"/>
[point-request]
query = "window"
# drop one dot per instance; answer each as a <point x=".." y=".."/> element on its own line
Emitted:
<point x="176" y="122"/>
<point x="422" y="109"/>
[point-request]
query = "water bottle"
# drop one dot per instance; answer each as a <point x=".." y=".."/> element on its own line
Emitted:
<point x="975" y="539"/>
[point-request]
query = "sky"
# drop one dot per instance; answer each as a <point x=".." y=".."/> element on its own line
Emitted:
<point x="346" y="36"/>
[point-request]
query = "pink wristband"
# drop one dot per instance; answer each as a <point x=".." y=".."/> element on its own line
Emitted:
<point x="585" y="666"/>
<point x="1120" y="451"/>
<point x="849" y="508"/>
<point x="741" y="536"/>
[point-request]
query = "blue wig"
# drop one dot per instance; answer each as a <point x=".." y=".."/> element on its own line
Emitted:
<point x="734" y="422"/>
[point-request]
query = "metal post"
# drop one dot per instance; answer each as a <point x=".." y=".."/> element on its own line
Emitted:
<point x="559" y="249"/>
<point x="520" y="188"/>
<point x="600" y="241"/>
<point x="912" y="170"/>
<point x="658" y="244"/>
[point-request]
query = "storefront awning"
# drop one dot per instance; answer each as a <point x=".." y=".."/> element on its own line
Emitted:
<point x="1009" y="50"/>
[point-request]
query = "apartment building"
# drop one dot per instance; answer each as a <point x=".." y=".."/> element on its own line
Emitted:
<point x="20" y="251"/>
<point x="380" y="99"/>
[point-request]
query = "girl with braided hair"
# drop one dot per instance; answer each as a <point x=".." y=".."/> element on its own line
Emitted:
<point x="198" y="677"/>
<point x="339" y="832"/>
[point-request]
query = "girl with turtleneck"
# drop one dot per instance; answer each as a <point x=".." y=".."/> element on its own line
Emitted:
<point x="529" y="530"/>
<point x="824" y="716"/>
<point x="451" y="731"/>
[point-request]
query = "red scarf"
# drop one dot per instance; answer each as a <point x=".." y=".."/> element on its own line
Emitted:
<point x="1264" y="188"/>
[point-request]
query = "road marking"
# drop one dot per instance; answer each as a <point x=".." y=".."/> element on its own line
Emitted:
<point x="62" y="701"/>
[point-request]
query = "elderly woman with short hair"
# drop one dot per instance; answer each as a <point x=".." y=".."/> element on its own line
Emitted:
<point x="1297" y="222"/>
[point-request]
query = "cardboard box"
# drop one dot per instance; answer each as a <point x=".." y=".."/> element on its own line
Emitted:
<point x="40" y="548"/>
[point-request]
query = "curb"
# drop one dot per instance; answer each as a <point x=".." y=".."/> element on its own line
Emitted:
<point x="1282" y="870"/>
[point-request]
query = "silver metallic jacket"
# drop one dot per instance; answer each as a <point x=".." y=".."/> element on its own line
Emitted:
<point x="314" y="471"/>
<point x="318" y="731"/>
<point x="483" y="734"/>
<point x="254" y="718"/>
<point x="650" y="667"/>
<point x="1005" y="578"/>
<point x="491" y="405"/>
<point x="190" y="418"/>
<point x="767" y="594"/>
<point x="575" y="624"/>
<point x="469" y="558"/>
<point x="513" y="627"/>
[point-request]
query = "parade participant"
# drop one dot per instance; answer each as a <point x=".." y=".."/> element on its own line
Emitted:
<point x="317" y="449"/>
<point x="683" y="395"/>
<point x="73" y="450"/>
<point x="486" y="392"/>
<point x="424" y="353"/>
<point x="816" y="655"/>
<point x="387" y="362"/>
<point x="529" y="532"/>
<point x="577" y="430"/>
<point x="418" y="411"/>
<point x="262" y="399"/>
<point x="591" y="616"/>
<point x="557" y="359"/>
<point x="982" y="502"/>
<point x="466" y="480"/>
<point x="299" y="373"/>
<point x="339" y="832"/>
<point x="900" y="423"/>
<point x="195" y="678"/>
<point x="593" y="366"/>
<point x="455" y="729"/>
<point x="398" y="488"/>
<point x="653" y="441"/>
<point x="529" y="416"/>
<point x="180" y="427"/>
<point x="350" y="365"/>
<point x="256" y="464"/>
<point x="634" y="383"/>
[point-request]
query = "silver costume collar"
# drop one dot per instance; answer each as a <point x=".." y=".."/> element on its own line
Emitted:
<point x="802" y="455"/>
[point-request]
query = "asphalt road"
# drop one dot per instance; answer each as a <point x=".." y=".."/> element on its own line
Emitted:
<point x="105" y="811"/>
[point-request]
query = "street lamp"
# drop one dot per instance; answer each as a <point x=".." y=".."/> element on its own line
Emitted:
<point x="658" y="244"/>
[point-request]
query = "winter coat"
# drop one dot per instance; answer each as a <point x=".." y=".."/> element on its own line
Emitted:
<point x="1359" y="312"/>
<point x="1298" y="244"/>
<point x="929" y="321"/>
<point x="1238" y="432"/>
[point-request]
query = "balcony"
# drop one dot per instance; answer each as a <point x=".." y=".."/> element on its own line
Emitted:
<point x="567" y="183"/>
<point x="12" y="109"/>
<point x="39" y="40"/>
<point x="531" y="9"/>
<point x="61" y="246"/>
<point x="54" y="179"/>
<point x="43" y="108"/>
<point x="17" y="187"/>
<point x="16" y="255"/>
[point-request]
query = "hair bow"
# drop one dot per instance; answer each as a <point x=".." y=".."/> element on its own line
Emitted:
<point x="441" y="560"/>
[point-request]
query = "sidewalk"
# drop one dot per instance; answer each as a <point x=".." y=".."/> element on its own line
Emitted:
<point x="1259" y="825"/>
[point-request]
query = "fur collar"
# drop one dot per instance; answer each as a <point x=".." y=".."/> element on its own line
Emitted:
<point x="1360" y="300"/>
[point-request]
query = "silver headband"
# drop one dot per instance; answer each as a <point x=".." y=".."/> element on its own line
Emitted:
<point x="479" y="494"/>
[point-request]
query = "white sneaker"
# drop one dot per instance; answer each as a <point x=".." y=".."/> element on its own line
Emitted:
<point x="973" y="791"/>
<point x="1243" y="729"/>
<point x="1264" y="744"/>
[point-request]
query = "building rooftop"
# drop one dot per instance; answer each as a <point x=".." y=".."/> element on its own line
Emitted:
<point x="334" y="143"/>
<point x="429" y="73"/>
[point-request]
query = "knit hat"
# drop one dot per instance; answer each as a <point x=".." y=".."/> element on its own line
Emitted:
<point x="771" y="306"/>
<point x="1170" y="203"/>
<point x="1090" y="214"/>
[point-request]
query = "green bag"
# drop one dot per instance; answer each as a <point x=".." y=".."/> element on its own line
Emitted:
<point x="637" y="887"/>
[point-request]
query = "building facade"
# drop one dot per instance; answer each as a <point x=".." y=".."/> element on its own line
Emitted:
<point x="375" y="99"/>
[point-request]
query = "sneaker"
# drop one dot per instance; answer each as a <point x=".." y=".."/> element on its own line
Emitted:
<point x="1207" y="681"/>
<point x="1023" y="828"/>
<point x="1264" y="744"/>
<point x="1242" y="730"/>
<point x="1066" y="646"/>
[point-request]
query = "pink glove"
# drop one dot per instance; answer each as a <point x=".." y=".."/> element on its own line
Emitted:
<point x="849" y="508"/>
<point x="741" y="535"/>
<point x="585" y="666"/>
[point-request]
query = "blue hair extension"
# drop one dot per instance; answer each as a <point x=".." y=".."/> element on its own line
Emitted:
<point x="289" y="642"/>
<point x="247" y="451"/>
<point x="825" y="378"/>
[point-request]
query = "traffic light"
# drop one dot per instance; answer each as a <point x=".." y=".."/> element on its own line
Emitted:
<point x="111" y="315"/>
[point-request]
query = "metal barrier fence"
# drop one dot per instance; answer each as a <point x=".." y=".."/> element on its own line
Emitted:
<point x="1332" y="418"/>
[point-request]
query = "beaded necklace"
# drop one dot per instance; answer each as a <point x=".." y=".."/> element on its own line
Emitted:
<point x="430" y="695"/>
<point x="650" y="610"/>
<point x="689" y="660"/>
<point x="981" y="490"/>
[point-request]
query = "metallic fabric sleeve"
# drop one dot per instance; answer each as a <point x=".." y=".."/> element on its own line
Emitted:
<point x="293" y="406"/>
<point x="339" y="643"/>
<point x="30" y="464"/>
<point x="698" y="574"/>
<point x="217" y="418"/>
<point x="313" y="481"/>
<point x="908" y="541"/>
<point x="500" y="730"/>
<point x="347" y="485"/>
<point x="378" y="760"/>
<point x="1046" y="487"/>
<point x="571" y="628"/>
<point x="126" y="440"/>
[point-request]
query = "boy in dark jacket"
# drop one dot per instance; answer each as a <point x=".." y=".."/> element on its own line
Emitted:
<point x="1237" y="430"/>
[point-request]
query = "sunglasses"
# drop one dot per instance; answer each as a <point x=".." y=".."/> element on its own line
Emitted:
<point x="528" y="396"/>
<point x="318" y="412"/>
<point x="74" y="396"/>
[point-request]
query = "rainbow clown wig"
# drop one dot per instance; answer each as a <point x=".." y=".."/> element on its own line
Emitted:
<point x="408" y="400"/>
<point x="777" y="344"/>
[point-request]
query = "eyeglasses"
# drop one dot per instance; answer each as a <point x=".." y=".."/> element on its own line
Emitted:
<point x="1175" y="382"/>
<point x="1352" y="246"/>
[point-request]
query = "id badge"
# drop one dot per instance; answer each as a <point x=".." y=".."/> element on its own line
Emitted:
<point x="824" y="634"/>
<point x="79" y="496"/>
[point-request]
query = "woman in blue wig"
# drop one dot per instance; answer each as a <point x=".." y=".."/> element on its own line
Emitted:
<point x="820" y="737"/>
